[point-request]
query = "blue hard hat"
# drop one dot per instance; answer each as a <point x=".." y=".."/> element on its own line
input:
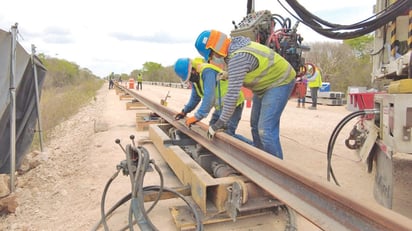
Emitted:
<point x="201" y="42"/>
<point x="182" y="68"/>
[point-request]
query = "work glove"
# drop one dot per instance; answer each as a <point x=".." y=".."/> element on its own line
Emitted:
<point x="223" y="75"/>
<point x="216" y="127"/>
<point x="191" y="120"/>
<point x="180" y="115"/>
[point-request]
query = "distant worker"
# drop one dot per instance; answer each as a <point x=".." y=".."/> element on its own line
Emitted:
<point x="209" y="85"/>
<point x="301" y="89"/>
<point x="260" y="69"/>
<point x="111" y="80"/>
<point x="314" y="76"/>
<point x="139" y="81"/>
<point x="111" y="83"/>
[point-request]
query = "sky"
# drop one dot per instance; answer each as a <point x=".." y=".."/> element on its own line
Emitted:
<point x="120" y="36"/>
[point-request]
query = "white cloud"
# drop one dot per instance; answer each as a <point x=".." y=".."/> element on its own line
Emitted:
<point x="120" y="36"/>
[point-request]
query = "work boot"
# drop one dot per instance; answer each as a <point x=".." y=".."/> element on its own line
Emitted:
<point x="312" y="108"/>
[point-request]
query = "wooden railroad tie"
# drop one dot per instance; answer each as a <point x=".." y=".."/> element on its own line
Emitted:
<point x="135" y="105"/>
<point x="144" y="119"/>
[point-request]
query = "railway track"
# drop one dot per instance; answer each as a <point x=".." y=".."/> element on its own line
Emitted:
<point x="325" y="205"/>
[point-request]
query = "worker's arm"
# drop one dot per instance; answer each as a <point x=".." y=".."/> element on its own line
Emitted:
<point x="193" y="101"/>
<point x="239" y="65"/>
<point x="209" y="87"/>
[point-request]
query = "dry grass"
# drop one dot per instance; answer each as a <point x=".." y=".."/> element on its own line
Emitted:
<point x="58" y="104"/>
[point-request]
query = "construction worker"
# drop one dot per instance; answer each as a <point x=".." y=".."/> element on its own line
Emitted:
<point x="111" y="82"/>
<point x="257" y="67"/>
<point x="139" y="81"/>
<point x="314" y="77"/>
<point x="209" y="85"/>
<point x="301" y="89"/>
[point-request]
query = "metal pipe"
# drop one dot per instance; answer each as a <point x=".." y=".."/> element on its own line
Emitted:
<point x="13" y="108"/>
<point x="36" y="85"/>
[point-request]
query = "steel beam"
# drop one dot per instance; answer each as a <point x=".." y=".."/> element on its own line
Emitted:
<point x="325" y="205"/>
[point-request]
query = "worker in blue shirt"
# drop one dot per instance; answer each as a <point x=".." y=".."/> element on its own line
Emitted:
<point x="209" y="86"/>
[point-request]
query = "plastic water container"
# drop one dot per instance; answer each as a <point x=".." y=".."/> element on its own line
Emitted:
<point x="325" y="87"/>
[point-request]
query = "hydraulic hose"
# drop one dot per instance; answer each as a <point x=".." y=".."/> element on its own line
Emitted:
<point x="126" y="198"/>
<point x="334" y="136"/>
<point x="331" y="30"/>
<point x="291" y="224"/>
<point x="106" y="188"/>
<point x="111" y="210"/>
<point x="137" y="202"/>
<point x="192" y="206"/>
<point x="137" y="195"/>
<point x="160" y="187"/>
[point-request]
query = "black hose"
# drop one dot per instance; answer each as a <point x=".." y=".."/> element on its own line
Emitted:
<point x="125" y="199"/>
<point x="291" y="223"/>
<point x="137" y="201"/>
<point x="129" y="150"/>
<point x="199" y="224"/>
<point x="161" y="186"/>
<point x="137" y="196"/>
<point x="102" y="204"/>
<point x="333" y="138"/>
<point x="131" y="223"/>
<point x="361" y="28"/>
<point x="288" y="23"/>
<point x="112" y="209"/>
<point x="281" y="21"/>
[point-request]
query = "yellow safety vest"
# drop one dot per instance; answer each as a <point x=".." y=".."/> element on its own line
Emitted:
<point x="140" y="78"/>
<point x="273" y="69"/>
<point x="223" y="84"/>
<point x="315" y="80"/>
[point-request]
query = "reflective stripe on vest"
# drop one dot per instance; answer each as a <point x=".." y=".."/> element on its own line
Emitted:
<point x="223" y="84"/>
<point x="315" y="80"/>
<point x="200" y="68"/>
<point x="273" y="70"/>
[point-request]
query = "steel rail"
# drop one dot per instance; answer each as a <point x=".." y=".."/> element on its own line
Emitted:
<point x="325" y="205"/>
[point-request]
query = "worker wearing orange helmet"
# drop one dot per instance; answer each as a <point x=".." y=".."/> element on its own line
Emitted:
<point x="209" y="85"/>
<point x="258" y="68"/>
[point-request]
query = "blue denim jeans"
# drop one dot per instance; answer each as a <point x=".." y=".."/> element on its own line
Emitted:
<point x="265" y="118"/>
<point x="232" y="124"/>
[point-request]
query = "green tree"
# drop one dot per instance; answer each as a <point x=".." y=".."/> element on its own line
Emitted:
<point x="124" y="76"/>
<point x="341" y="64"/>
<point x="66" y="88"/>
<point x="362" y="45"/>
<point x="151" y="66"/>
<point x="135" y="72"/>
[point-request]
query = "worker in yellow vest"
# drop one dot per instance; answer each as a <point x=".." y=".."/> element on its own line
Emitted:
<point x="139" y="81"/>
<point x="314" y="78"/>
<point x="258" y="68"/>
<point x="209" y="86"/>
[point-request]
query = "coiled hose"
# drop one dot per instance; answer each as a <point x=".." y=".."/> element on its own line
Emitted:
<point x="137" y="198"/>
<point x="334" y="136"/>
